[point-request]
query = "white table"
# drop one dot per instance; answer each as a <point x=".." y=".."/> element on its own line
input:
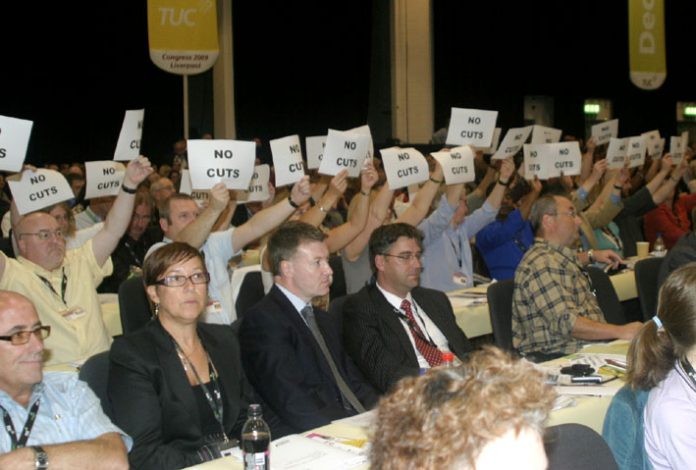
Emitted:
<point x="475" y="320"/>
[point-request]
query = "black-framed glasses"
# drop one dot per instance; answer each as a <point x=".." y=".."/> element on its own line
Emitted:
<point x="407" y="257"/>
<point x="44" y="235"/>
<point x="178" y="280"/>
<point x="22" y="337"/>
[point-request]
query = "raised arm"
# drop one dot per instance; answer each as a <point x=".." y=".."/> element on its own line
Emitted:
<point x="266" y="220"/>
<point x="379" y="211"/>
<point x="196" y="233"/>
<point x="420" y="206"/>
<point x="345" y="233"/>
<point x="528" y="199"/>
<point x="225" y="219"/>
<point x="316" y="214"/>
<point x="118" y="218"/>
<point x="507" y="168"/>
<point x="587" y="159"/>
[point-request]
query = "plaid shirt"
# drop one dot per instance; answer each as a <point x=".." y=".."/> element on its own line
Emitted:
<point x="551" y="291"/>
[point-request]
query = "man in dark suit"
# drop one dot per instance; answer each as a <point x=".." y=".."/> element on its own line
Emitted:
<point x="292" y="353"/>
<point x="393" y="328"/>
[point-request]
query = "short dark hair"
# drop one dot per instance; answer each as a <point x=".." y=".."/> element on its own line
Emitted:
<point x="385" y="236"/>
<point x="157" y="263"/>
<point x="164" y="213"/>
<point x="283" y="243"/>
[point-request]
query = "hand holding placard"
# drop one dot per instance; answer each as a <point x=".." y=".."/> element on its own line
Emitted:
<point x="301" y="191"/>
<point x="136" y="172"/>
<point x="368" y="177"/>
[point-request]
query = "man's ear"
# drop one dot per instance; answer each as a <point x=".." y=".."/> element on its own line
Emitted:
<point x="379" y="262"/>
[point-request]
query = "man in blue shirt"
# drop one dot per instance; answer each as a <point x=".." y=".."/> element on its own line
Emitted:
<point x="53" y="418"/>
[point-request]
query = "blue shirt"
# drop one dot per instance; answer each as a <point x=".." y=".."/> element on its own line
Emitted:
<point x="69" y="411"/>
<point x="503" y="244"/>
<point x="446" y="249"/>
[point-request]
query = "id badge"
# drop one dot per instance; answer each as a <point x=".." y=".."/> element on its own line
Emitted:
<point x="74" y="313"/>
<point x="461" y="279"/>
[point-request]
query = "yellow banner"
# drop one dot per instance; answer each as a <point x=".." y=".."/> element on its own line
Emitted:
<point x="183" y="35"/>
<point x="646" y="38"/>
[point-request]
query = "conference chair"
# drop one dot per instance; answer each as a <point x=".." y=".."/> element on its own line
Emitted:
<point x="647" y="271"/>
<point x="623" y="428"/>
<point x="607" y="299"/>
<point x="499" y="296"/>
<point x="338" y="286"/>
<point x="336" y="311"/>
<point x="133" y="304"/>
<point x="577" y="447"/>
<point x="250" y="292"/>
<point x="95" y="372"/>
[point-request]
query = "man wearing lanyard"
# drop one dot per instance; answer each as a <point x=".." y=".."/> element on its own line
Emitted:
<point x="52" y="420"/>
<point x="393" y="328"/>
<point x="448" y="263"/>
<point x="63" y="284"/>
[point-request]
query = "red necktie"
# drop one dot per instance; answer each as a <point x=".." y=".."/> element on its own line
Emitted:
<point x="426" y="348"/>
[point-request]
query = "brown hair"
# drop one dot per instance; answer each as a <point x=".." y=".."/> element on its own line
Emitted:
<point x="283" y="243"/>
<point x="654" y="350"/>
<point x="165" y="257"/>
<point x="436" y="420"/>
<point x="164" y="213"/>
<point x="72" y="228"/>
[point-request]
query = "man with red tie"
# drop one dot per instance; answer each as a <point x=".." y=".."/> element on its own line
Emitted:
<point x="393" y="328"/>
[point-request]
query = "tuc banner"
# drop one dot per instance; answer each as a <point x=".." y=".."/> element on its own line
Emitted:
<point x="183" y="35"/>
<point x="646" y="39"/>
<point x="227" y="161"/>
<point x="39" y="189"/>
<point x="103" y="178"/>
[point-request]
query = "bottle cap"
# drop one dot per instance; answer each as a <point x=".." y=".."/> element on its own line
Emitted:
<point x="447" y="357"/>
<point x="254" y="409"/>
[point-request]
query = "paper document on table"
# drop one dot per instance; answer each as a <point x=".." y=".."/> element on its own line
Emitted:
<point x="363" y="420"/>
<point x="593" y="390"/>
<point x="463" y="302"/>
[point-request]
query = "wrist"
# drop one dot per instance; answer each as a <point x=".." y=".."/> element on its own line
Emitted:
<point x="292" y="203"/>
<point x="504" y="183"/>
<point x="618" y="187"/>
<point x="365" y="193"/>
<point x="312" y="202"/>
<point x="590" y="256"/>
<point x="128" y="189"/>
<point x="436" y="181"/>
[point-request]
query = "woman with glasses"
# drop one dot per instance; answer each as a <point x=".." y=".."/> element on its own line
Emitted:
<point x="177" y="386"/>
<point x="662" y="359"/>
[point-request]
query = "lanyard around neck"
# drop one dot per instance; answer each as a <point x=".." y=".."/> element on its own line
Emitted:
<point x="26" y="430"/>
<point x="63" y="285"/>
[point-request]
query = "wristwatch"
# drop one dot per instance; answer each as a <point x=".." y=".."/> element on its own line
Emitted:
<point x="41" y="460"/>
<point x="590" y="256"/>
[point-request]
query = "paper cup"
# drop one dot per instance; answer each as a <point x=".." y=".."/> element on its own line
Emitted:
<point x="642" y="249"/>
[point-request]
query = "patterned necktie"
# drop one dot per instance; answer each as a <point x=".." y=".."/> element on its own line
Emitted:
<point x="426" y="348"/>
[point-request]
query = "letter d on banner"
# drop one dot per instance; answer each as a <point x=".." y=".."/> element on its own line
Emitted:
<point x="646" y="38"/>
<point x="183" y="35"/>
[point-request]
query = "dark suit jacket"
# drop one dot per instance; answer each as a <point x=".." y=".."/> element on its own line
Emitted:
<point x="154" y="403"/>
<point x="376" y="340"/>
<point x="287" y="368"/>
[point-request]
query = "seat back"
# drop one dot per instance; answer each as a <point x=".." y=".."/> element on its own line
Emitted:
<point x="577" y="447"/>
<point x="623" y="427"/>
<point x="500" y="309"/>
<point x="336" y="311"/>
<point x="95" y="372"/>
<point x="607" y="298"/>
<point x="647" y="271"/>
<point x="250" y="292"/>
<point x="338" y="286"/>
<point x="134" y="307"/>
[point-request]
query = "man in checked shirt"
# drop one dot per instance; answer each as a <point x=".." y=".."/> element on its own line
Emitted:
<point x="554" y="309"/>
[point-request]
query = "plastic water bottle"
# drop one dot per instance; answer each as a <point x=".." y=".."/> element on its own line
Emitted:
<point x="659" y="248"/>
<point x="256" y="441"/>
<point x="447" y="359"/>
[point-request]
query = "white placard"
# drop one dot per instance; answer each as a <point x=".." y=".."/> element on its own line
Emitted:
<point x="534" y="162"/>
<point x="404" y="166"/>
<point x="471" y="126"/>
<point x="659" y="149"/>
<point x="315" y="150"/>
<point x="457" y="164"/>
<point x="563" y="157"/>
<point x="103" y="178"/>
<point x="512" y="142"/>
<point x="40" y="189"/>
<point x="604" y="131"/>
<point x="494" y="143"/>
<point x="14" y="140"/>
<point x="652" y="144"/>
<point x="200" y="196"/>
<point x="676" y="149"/>
<point x="344" y="150"/>
<point x="128" y="146"/>
<point x="635" y="151"/>
<point x="545" y="135"/>
<point x="287" y="160"/>
<point x="215" y="161"/>
<point x="365" y="130"/>
<point x="616" y="153"/>
<point x="258" y="187"/>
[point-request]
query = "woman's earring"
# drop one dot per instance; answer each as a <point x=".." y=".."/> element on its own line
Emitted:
<point x="156" y="309"/>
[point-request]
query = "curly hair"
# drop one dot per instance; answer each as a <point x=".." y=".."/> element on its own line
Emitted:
<point x="449" y="415"/>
